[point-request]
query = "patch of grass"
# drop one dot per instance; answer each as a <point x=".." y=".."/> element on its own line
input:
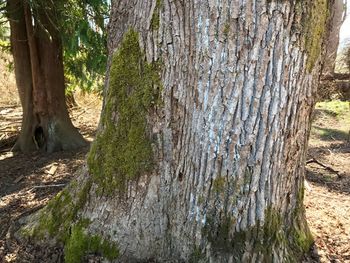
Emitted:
<point x="332" y="122"/>
<point x="335" y="108"/>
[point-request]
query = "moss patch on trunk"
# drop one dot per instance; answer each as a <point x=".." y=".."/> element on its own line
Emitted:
<point x="80" y="243"/>
<point x="315" y="26"/>
<point x="122" y="150"/>
<point x="155" y="21"/>
<point x="262" y="240"/>
<point x="60" y="221"/>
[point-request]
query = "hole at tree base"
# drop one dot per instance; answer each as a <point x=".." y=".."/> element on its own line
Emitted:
<point x="39" y="137"/>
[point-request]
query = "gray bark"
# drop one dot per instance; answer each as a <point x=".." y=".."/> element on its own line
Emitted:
<point x="229" y="138"/>
<point x="237" y="103"/>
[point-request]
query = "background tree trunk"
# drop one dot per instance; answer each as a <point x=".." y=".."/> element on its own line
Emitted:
<point x="37" y="52"/>
<point x="337" y="18"/>
<point x="201" y="149"/>
<point x="21" y="57"/>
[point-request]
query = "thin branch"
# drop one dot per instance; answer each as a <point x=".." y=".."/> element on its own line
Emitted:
<point x="328" y="168"/>
<point x="47" y="186"/>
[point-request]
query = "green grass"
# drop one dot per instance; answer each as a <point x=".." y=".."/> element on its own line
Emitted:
<point x="335" y="107"/>
<point x="332" y="121"/>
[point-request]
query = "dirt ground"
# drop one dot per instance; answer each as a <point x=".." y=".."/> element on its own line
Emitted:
<point x="27" y="182"/>
<point x="327" y="197"/>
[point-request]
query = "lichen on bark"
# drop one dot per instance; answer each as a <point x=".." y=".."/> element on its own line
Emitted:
<point x="122" y="150"/>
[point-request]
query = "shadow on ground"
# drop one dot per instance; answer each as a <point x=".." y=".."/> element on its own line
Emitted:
<point x="326" y="134"/>
<point x="28" y="182"/>
<point x="336" y="157"/>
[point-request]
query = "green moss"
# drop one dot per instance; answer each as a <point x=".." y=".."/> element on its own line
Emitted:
<point x="60" y="220"/>
<point x="248" y="176"/>
<point x="80" y="244"/>
<point x="300" y="233"/>
<point x="272" y="234"/>
<point x="226" y="29"/>
<point x="56" y="217"/>
<point x="315" y="24"/>
<point x="197" y="256"/>
<point x="156" y="15"/>
<point x="200" y="199"/>
<point x="219" y="184"/>
<point x="122" y="151"/>
<point x="303" y="240"/>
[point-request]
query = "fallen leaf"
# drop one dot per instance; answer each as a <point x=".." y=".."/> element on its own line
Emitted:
<point x="53" y="169"/>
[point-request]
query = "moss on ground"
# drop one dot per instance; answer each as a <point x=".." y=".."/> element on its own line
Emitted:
<point x="122" y="151"/>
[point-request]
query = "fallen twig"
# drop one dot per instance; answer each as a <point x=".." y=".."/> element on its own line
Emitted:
<point x="18" y="179"/>
<point x="328" y="168"/>
<point x="47" y="185"/>
<point x="16" y="130"/>
<point x="79" y="114"/>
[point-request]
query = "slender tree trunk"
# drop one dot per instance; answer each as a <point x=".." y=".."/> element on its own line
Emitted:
<point x="337" y="18"/>
<point x="37" y="52"/>
<point x="21" y="57"/>
<point x="201" y="149"/>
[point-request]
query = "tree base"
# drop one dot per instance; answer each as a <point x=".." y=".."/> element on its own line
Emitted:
<point x="49" y="136"/>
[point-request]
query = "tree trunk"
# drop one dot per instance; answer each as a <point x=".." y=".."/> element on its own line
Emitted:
<point x="336" y="20"/>
<point x="201" y="149"/>
<point x="37" y="52"/>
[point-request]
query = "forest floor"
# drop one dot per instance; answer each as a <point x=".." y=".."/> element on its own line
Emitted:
<point x="327" y="191"/>
<point x="27" y="182"/>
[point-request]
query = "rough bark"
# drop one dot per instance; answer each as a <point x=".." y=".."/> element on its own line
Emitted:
<point x="336" y="20"/>
<point x="37" y="52"/>
<point x="224" y="182"/>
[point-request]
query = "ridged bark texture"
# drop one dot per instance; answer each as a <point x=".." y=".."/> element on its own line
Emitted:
<point x="229" y="137"/>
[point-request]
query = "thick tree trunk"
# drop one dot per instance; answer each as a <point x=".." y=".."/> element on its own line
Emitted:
<point x="37" y="53"/>
<point x="201" y="149"/>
